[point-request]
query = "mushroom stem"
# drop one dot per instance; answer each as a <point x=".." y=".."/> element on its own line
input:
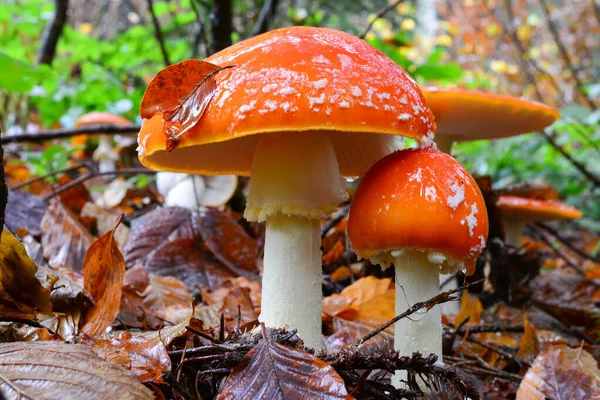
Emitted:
<point x="416" y="280"/>
<point x="444" y="143"/>
<point x="292" y="291"/>
<point x="513" y="232"/>
<point x="105" y="154"/>
<point x="295" y="183"/>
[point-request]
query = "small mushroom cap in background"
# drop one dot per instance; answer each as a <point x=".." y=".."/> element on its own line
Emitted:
<point x="529" y="210"/>
<point x="101" y="118"/>
<point x="296" y="81"/>
<point x="419" y="199"/>
<point x="472" y="115"/>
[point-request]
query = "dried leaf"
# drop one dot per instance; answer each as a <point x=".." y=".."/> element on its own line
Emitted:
<point x="68" y="292"/>
<point x="64" y="239"/>
<point x="21" y="294"/>
<point x="471" y="307"/>
<point x="25" y="210"/>
<point x="557" y="374"/>
<point x="55" y="370"/>
<point x="103" y="276"/>
<point x="105" y="220"/>
<point x="274" y="371"/>
<point x="182" y="92"/>
<point x="362" y="307"/>
<point x="75" y="197"/>
<point x="529" y="347"/>
<point x="227" y="240"/>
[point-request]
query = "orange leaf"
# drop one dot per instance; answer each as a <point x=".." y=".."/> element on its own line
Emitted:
<point x="182" y="92"/>
<point x="103" y="274"/>
<point x="471" y="307"/>
<point x="529" y="347"/>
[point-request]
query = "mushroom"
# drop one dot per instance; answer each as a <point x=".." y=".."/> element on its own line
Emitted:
<point x="105" y="153"/>
<point x="302" y="107"/>
<point x="463" y="115"/>
<point x="194" y="191"/>
<point x="518" y="211"/>
<point x="420" y="210"/>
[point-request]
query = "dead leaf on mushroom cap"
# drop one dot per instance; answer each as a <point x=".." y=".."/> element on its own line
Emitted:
<point x="182" y="92"/>
<point x="560" y="372"/>
<point x="21" y="293"/>
<point x="57" y="370"/>
<point x="274" y="371"/>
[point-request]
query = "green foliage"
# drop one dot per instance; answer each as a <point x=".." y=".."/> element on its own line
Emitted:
<point x="54" y="158"/>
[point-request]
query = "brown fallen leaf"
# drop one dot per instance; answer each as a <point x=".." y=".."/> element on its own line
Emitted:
<point x="274" y="371"/>
<point x="55" y="370"/>
<point x="74" y="198"/>
<point x="361" y="308"/>
<point x="105" y="220"/>
<point x="21" y="294"/>
<point x="558" y="373"/>
<point x="470" y="307"/>
<point x="103" y="273"/>
<point x="529" y="347"/>
<point x="25" y="210"/>
<point x="182" y="92"/>
<point x="64" y="239"/>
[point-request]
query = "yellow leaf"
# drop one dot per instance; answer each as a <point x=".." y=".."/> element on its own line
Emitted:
<point x="21" y="293"/>
<point x="471" y="307"/>
<point x="529" y="347"/>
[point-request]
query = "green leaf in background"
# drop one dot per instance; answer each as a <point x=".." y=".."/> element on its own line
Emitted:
<point x="449" y="72"/>
<point x="17" y="76"/>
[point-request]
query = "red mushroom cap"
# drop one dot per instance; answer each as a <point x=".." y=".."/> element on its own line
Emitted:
<point x="101" y="118"/>
<point x="301" y="80"/>
<point x="470" y="114"/>
<point x="525" y="209"/>
<point x="420" y="199"/>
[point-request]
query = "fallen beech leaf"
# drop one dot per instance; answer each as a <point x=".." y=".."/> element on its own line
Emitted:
<point x="54" y="370"/>
<point x="21" y="294"/>
<point x="181" y="92"/>
<point x="68" y="292"/>
<point x="471" y="307"/>
<point x="103" y="273"/>
<point x="64" y="239"/>
<point x="25" y="210"/>
<point x="219" y="294"/>
<point x="74" y="198"/>
<point x="556" y="374"/>
<point x="529" y="347"/>
<point x="227" y="240"/>
<point x="274" y="371"/>
<point x="362" y="307"/>
<point x="105" y="220"/>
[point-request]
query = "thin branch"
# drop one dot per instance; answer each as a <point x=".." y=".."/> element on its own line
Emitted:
<point x="266" y="13"/>
<point x="53" y="31"/>
<point x="498" y="350"/>
<point x="158" y="33"/>
<point x="565" y="54"/>
<point x="3" y="192"/>
<point x="50" y="175"/>
<point x="335" y="220"/>
<point x="441" y="298"/>
<point x="579" y="166"/>
<point x="380" y="14"/>
<point x="492" y="328"/>
<point x="222" y="25"/>
<point x="65" y="133"/>
<point x="568" y="244"/>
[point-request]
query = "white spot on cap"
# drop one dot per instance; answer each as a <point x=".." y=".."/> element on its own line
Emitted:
<point x="345" y="60"/>
<point x="383" y="96"/>
<point x="320" y="59"/>
<point x="285" y="106"/>
<point x="344" y="104"/>
<point x="248" y="107"/>
<point x="404" y="117"/>
<point x="316" y="100"/>
<point x="403" y="100"/>
<point x="430" y="193"/>
<point x="356" y="91"/>
<point x="320" y="84"/>
<point x="416" y="176"/>
<point x="471" y="220"/>
<point x="287" y="90"/>
<point x="458" y="196"/>
<point x="268" y="87"/>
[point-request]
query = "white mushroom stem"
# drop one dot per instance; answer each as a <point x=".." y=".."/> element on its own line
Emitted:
<point x="295" y="183"/>
<point x="513" y="232"/>
<point x="105" y="154"/>
<point x="417" y="280"/>
<point x="444" y="143"/>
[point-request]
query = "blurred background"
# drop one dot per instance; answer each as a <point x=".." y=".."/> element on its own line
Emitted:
<point x="61" y="59"/>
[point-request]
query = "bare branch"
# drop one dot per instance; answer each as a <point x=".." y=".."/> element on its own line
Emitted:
<point x="65" y="133"/>
<point x="222" y="25"/>
<point x="53" y="31"/>
<point x="158" y="33"/>
<point x="266" y="13"/>
<point x="380" y="14"/>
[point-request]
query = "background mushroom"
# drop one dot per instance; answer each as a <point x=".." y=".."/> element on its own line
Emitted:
<point x="420" y="210"/>
<point x="104" y="154"/>
<point x="518" y="211"/>
<point x="302" y="107"/>
<point x="462" y="115"/>
<point x="194" y="191"/>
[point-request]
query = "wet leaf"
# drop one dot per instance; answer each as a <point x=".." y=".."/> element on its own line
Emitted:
<point x="362" y="307"/>
<point x="274" y="371"/>
<point x="181" y="92"/>
<point x="529" y="347"/>
<point x="21" y="294"/>
<point x="25" y="210"/>
<point x="103" y="276"/>
<point x="68" y="293"/>
<point x="227" y="240"/>
<point x="105" y="221"/>
<point x="471" y="307"/>
<point x="64" y="239"/>
<point x="74" y="198"/>
<point x="55" y="370"/>
<point x="556" y="374"/>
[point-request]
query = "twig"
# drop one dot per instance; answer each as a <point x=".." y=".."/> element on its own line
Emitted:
<point x="498" y="350"/>
<point x="493" y="328"/>
<point x="53" y="31"/>
<point x="51" y="174"/>
<point x="579" y="166"/>
<point x="65" y="133"/>
<point x="158" y="33"/>
<point x="379" y="15"/>
<point x="439" y="299"/>
<point x="561" y="255"/>
<point x="565" y="54"/>
<point x="484" y="369"/>
<point x="335" y="220"/>
<point x="554" y="233"/>
<point x="266" y="13"/>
